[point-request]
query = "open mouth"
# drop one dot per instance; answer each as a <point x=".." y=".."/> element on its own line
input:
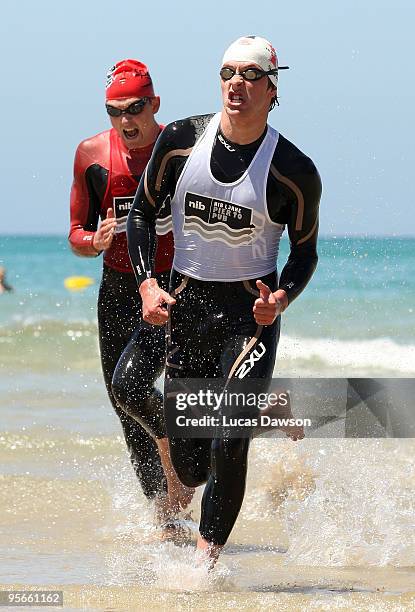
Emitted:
<point x="130" y="134"/>
<point x="235" y="98"/>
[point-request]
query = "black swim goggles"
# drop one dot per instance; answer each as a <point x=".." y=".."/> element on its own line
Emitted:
<point x="134" y="109"/>
<point x="249" y="74"/>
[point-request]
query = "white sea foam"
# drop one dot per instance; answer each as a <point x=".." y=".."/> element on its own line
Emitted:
<point x="377" y="357"/>
<point x="362" y="507"/>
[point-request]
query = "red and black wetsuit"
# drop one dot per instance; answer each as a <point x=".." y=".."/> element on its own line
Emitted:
<point x="106" y="174"/>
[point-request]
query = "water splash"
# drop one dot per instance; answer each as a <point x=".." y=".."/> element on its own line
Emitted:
<point x="361" y="511"/>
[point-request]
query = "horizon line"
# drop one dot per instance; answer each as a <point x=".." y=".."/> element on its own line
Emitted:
<point x="333" y="236"/>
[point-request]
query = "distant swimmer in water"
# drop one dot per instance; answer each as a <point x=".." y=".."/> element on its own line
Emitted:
<point x="234" y="184"/>
<point x="107" y="169"/>
<point x="4" y="285"/>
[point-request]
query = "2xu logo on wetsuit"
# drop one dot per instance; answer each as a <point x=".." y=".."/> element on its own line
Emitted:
<point x="249" y="363"/>
<point x="217" y="219"/>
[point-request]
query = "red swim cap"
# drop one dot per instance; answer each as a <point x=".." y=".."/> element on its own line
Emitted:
<point x="128" y="79"/>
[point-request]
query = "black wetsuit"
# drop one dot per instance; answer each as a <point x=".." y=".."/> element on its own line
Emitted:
<point x="140" y="364"/>
<point x="212" y="330"/>
<point x="142" y="348"/>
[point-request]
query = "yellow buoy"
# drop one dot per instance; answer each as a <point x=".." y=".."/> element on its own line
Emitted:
<point x="78" y="283"/>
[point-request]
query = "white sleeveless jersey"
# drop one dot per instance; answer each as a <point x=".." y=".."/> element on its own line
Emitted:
<point x="222" y="231"/>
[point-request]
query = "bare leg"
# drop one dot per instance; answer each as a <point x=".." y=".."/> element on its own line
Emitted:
<point x="179" y="495"/>
<point x="162" y="511"/>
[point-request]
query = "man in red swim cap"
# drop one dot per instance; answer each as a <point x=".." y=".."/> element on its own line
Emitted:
<point x="129" y="86"/>
<point x="107" y="169"/>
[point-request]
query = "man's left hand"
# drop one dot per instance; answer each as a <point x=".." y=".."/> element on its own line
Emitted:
<point x="269" y="304"/>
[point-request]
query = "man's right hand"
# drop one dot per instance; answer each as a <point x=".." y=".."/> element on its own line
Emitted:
<point x="105" y="233"/>
<point x="154" y="301"/>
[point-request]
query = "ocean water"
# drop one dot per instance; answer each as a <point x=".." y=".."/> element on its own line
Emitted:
<point x="326" y="524"/>
<point x="356" y="317"/>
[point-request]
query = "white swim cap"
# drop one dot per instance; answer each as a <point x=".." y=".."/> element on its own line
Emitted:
<point x="256" y="50"/>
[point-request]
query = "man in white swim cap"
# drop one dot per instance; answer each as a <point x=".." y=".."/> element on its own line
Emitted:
<point x="234" y="184"/>
<point x="253" y="51"/>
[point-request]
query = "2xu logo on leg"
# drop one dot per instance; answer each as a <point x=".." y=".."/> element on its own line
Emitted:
<point x="249" y="363"/>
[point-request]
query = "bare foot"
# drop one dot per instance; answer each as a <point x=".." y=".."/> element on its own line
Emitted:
<point x="168" y="526"/>
<point x="210" y="552"/>
<point x="171" y="531"/>
<point x="295" y="432"/>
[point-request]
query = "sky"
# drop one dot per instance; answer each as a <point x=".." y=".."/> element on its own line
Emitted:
<point x="347" y="100"/>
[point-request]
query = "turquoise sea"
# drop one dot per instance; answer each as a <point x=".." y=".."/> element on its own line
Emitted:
<point x="311" y="535"/>
<point x="355" y="317"/>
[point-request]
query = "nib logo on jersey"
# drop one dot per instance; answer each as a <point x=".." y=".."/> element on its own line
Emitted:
<point x="215" y="219"/>
<point x="122" y="207"/>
